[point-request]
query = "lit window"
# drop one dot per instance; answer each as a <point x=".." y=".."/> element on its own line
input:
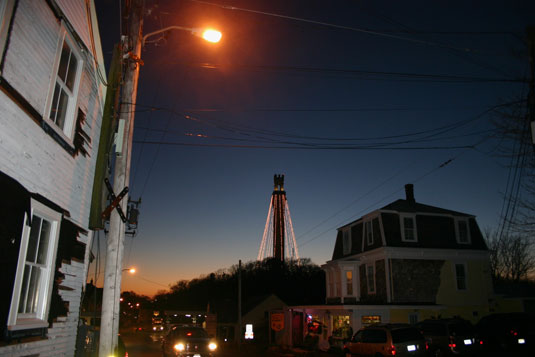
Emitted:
<point x="349" y="282"/>
<point x="460" y="274"/>
<point x="371" y="279"/>
<point x="462" y="230"/>
<point x="408" y="229"/>
<point x="368" y="232"/>
<point x="35" y="269"/>
<point x="62" y="106"/>
<point x="347" y="241"/>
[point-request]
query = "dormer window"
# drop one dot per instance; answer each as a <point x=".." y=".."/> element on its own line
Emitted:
<point x="368" y="232"/>
<point x="408" y="228"/>
<point x="346" y="240"/>
<point x="462" y="231"/>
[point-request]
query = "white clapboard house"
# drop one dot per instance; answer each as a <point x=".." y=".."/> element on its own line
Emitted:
<point x="51" y="103"/>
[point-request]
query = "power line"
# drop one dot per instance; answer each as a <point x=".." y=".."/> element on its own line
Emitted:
<point x="341" y="27"/>
<point x="361" y="74"/>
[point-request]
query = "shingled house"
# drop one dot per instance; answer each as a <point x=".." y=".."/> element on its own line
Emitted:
<point x="404" y="262"/>
<point x="51" y="101"/>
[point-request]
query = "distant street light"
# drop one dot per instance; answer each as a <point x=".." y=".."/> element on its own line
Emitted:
<point x="130" y="270"/>
<point x="209" y="35"/>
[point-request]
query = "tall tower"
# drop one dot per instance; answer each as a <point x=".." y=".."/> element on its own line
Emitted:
<point x="278" y="232"/>
<point x="279" y="203"/>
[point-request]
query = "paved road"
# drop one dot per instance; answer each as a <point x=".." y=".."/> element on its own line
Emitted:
<point x="140" y="344"/>
<point x="143" y="344"/>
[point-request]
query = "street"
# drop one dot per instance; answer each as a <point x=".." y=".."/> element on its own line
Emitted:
<point x="142" y="344"/>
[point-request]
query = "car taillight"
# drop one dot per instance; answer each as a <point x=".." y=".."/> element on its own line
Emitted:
<point x="452" y="343"/>
<point x="392" y="350"/>
<point x="514" y="333"/>
<point x="426" y="345"/>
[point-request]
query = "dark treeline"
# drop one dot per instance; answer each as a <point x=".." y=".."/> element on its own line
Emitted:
<point x="295" y="283"/>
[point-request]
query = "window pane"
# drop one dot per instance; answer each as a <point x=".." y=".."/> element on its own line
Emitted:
<point x="61" y="108"/>
<point x="371" y="283"/>
<point x="349" y="282"/>
<point x="33" y="242"/>
<point x="24" y="287"/>
<point x="408" y="223"/>
<point x="463" y="231"/>
<point x="71" y="75"/>
<point x="43" y="242"/>
<point x="461" y="276"/>
<point x="64" y="61"/>
<point x="33" y="290"/>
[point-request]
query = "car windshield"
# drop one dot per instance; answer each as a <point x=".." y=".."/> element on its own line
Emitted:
<point x="406" y="334"/>
<point x="189" y="333"/>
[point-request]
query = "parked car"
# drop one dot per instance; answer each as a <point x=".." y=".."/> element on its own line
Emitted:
<point x="188" y="341"/>
<point x="387" y="340"/>
<point x="448" y="337"/>
<point x="510" y="334"/>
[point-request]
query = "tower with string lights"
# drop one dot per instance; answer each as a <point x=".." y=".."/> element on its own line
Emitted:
<point x="278" y="240"/>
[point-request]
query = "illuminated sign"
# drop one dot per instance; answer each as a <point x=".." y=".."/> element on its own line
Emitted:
<point x="277" y="321"/>
<point x="249" y="334"/>
<point x="371" y="319"/>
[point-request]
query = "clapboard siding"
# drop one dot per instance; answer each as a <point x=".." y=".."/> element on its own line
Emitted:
<point x="31" y="52"/>
<point x="32" y="157"/>
<point x="75" y="11"/>
<point x="46" y="167"/>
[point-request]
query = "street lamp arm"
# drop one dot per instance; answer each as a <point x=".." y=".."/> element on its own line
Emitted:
<point x="192" y="30"/>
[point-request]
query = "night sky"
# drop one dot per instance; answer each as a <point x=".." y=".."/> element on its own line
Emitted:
<point x="350" y="100"/>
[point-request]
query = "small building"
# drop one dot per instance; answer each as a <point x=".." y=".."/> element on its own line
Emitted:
<point x="51" y="102"/>
<point x="402" y="263"/>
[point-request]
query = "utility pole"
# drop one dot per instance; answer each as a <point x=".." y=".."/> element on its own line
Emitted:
<point x="239" y="306"/>
<point x="131" y="54"/>
<point x="531" y="96"/>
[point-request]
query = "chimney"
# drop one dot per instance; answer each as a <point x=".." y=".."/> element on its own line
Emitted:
<point x="409" y="192"/>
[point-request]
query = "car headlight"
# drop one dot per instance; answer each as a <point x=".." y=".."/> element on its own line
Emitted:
<point x="212" y="346"/>
<point x="179" y="347"/>
<point x="154" y="328"/>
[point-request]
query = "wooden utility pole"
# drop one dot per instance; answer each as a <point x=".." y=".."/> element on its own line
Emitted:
<point x="239" y="337"/>
<point x="531" y="96"/>
<point x="131" y="54"/>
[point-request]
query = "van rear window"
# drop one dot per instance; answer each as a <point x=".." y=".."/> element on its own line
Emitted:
<point x="401" y="335"/>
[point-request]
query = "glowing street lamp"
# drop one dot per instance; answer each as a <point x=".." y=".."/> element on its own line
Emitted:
<point x="130" y="270"/>
<point x="207" y="34"/>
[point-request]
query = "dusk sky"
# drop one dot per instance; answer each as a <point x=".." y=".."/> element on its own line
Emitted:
<point x="350" y="100"/>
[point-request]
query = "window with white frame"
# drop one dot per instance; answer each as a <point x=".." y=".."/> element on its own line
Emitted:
<point x="346" y="240"/>
<point x="460" y="276"/>
<point x="368" y="232"/>
<point x="370" y="275"/>
<point x="349" y="282"/>
<point x="408" y="228"/>
<point x="462" y="231"/>
<point x="62" y="110"/>
<point x="35" y="269"/>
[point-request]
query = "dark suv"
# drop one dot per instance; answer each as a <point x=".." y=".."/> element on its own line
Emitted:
<point x="447" y="337"/>
<point x="188" y="341"/>
<point x="507" y="334"/>
<point x="387" y="340"/>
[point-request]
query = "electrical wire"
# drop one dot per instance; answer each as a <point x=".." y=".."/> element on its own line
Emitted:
<point x="360" y="74"/>
<point x="341" y="27"/>
<point x="248" y="130"/>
